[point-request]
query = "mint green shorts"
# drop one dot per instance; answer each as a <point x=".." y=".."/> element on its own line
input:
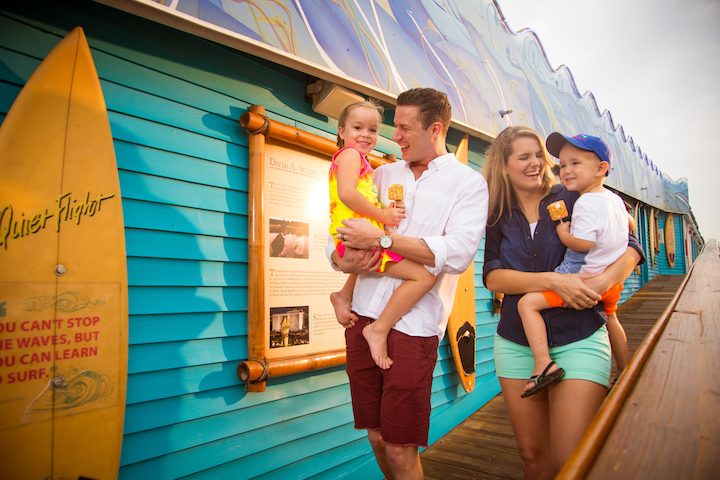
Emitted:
<point x="588" y="359"/>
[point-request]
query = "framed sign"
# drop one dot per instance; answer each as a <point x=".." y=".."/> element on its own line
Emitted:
<point x="291" y="322"/>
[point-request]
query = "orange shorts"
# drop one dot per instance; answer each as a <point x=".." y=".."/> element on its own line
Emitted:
<point x="609" y="299"/>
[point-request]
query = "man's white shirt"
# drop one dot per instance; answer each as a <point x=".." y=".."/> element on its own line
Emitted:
<point x="447" y="207"/>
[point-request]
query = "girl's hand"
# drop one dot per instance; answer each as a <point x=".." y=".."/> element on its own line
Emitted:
<point x="572" y="288"/>
<point x="393" y="215"/>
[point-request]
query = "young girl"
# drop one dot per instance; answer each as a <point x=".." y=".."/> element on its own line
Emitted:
<point x="353" y="194"/>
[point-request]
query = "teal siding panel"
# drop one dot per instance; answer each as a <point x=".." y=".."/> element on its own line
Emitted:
<point x="154" y="244"/>
<point x="171" y="410"/>
<point x="15" y="67"/>
<point x="149" y="386"/>
<point x="363" y="467"/>
<point x="186" y="326"/>
<point x="8" y="94"/>
<point x="330" y="465"/>
<point x="150" y="134"/>
<point x="161" y="441"/>
<point x="141" y="159"/>
<point x="146" y="300"/>
<point x="284" y="455"/>
<point x="154" y="216"/>
<point x="19" y="36"/>
<point x="137" y="186"/>
<point x="167" y="272"/>
<point x="164" y="356"/>
<point x="167" y="112"/>
<point x="163" y="86"/>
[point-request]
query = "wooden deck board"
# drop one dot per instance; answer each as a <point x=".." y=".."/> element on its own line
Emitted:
<point x="669" y="426"/>
<point x="484" y="447"/>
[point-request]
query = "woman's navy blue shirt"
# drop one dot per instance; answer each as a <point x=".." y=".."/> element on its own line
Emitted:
<point x="509" y="245"/>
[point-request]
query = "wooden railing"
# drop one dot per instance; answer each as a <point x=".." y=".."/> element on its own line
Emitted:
<point x="662" y="419"/>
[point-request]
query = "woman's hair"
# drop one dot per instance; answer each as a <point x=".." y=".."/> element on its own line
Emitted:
<point x="501" y="192"/>
<point x="433" y="104"/>
<point x="369" y="104"/>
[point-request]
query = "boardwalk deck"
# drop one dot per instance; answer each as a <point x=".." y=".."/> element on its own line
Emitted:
<point x="662" y="421"/>
<point x="484" y="447"/>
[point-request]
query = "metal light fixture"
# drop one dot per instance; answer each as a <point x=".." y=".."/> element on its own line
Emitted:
<point x="329" y="99"/>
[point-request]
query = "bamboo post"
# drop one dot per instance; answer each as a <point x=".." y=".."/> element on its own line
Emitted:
<point x="256" y="241"/>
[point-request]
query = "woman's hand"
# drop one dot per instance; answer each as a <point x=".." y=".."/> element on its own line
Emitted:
<point x="575" y="291"/>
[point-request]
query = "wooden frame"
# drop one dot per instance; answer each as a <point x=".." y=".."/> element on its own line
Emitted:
<point x="255" y="371"/>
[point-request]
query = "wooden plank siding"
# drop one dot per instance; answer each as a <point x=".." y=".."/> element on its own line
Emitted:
<point x="174" y="102"/>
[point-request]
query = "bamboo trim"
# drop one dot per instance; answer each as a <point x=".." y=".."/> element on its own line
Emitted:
<point x="256" y="240"/>
<point x="254" y="122"/>
<point x="583" y="457"/>
<point x="251" y="370"/>
<point x="260" y="128"/>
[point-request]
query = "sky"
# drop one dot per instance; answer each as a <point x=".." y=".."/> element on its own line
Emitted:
<point x="655" y="66"/>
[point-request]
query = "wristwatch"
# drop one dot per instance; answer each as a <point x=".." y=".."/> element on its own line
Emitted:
<point x="386" y="241"/>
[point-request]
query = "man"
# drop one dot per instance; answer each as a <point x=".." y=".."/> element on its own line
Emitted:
<point x="277" y="245"/>
<point x="446" y="204"/>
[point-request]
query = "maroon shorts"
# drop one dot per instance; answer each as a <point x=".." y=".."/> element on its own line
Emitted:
<point x="395" y="401"/>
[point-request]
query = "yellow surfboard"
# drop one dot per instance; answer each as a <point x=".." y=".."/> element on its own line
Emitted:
<point x="461" y="324"/>
<point x="63" y="276"/>
<point x="670" y="239"/>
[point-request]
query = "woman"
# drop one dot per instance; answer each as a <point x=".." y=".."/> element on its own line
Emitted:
<point x="522" y="249"/>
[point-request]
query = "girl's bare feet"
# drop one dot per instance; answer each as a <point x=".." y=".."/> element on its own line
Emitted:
<point x="378" y="346"/>
<point x="343" y="313"/>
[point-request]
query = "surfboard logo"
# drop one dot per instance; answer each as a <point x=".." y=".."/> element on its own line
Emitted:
<point x="14" y="226"/>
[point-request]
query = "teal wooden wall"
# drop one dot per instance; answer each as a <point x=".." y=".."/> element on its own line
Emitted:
<point x="174" y="102"/>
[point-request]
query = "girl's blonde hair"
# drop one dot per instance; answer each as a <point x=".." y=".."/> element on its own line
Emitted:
<point x="369" y="104"/>
<point x="500" y="189"/>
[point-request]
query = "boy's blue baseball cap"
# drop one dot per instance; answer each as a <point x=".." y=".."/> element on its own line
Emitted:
<point x="556" y="141"/>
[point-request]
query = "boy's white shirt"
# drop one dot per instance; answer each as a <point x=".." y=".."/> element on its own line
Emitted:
<point x="601" y="218"/>
<point x="446" y="207"/>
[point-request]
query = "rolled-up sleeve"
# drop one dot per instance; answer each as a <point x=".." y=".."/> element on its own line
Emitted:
<point x="493" y="238"/>
<point x="633" y="242"/>
<point x="456" y="248"/>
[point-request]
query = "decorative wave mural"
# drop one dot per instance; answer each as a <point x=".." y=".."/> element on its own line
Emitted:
<point x="461" y="47"/>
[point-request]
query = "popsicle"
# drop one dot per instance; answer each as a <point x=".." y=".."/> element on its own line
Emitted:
<point x="558" y="210"/>
<point x="395" y="192"/>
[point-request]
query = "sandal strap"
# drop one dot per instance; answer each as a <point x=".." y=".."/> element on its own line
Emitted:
<point x="546" y="369"/>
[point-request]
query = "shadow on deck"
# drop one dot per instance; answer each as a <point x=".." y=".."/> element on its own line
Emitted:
<point x="484" y="447"/>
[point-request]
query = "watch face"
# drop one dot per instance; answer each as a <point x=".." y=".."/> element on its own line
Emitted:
<point x="386" y="241"/>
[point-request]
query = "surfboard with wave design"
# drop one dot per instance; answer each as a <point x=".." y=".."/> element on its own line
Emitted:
<point x="461" y="324"/>
<point x="63" y="276"/>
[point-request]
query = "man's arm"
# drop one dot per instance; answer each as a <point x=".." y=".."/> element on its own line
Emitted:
<point x="450" y="252"/>
<point x="361" y="234"/>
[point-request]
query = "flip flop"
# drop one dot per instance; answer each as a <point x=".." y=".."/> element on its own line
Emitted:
<point x="543" y="380"/>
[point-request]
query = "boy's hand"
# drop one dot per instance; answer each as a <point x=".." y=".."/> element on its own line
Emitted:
<point x="563" y="228"/>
